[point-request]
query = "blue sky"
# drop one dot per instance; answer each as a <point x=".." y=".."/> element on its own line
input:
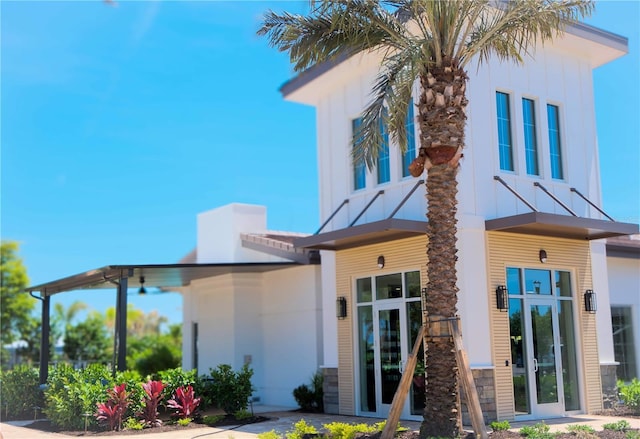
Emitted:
<point x="120" y="124"/>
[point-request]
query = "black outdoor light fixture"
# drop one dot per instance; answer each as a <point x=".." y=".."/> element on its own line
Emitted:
<point x="142" y="290"/>
<point x="590" y="304"/>
<point x="502" y="298"/>
<point x="341" y="307"/>
<point x="543" y="256"/>
<point x="381" y="262"/>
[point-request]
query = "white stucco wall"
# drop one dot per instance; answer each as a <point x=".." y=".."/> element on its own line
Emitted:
<point x="603" y="315"/>
<point x="271" y="320"/>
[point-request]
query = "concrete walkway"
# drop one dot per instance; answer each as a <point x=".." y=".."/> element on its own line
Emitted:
<point x="282" y="421"/>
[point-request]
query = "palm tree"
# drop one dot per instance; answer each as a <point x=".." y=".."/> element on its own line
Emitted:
<point x="433" y="42"/>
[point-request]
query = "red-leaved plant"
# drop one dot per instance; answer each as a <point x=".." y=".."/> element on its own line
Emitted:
<point x="184" y="402"/>
<point x="153" y="396"/>
<point x="113" y="410"/>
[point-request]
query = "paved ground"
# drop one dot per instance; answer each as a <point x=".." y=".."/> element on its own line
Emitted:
<point x="282" y="421"/>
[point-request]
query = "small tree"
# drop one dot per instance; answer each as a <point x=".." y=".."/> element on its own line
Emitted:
<point x="231" y="390"/>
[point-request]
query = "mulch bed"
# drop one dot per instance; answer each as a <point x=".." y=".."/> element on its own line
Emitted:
<point x="46" y="425"/>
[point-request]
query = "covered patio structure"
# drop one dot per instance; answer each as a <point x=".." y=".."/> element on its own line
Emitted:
<point x="166" y="277"/>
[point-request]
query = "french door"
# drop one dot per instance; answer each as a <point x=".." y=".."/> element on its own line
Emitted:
<point x="543" y="345"/>
<point x="389" y="318"/>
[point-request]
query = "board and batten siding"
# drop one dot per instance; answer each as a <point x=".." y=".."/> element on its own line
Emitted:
<point x="408" y="254"/>
<point x="518" y="250"/>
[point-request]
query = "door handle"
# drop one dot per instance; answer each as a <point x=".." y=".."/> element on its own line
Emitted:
<point x="401" y="366"/>
<point x="535" y="364"/>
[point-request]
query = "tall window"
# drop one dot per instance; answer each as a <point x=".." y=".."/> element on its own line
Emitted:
<point x="530" y="140"/>
<point x="384" y="171"/>
<point x="555" y="149"/>
<point x="505" y="145"/>
<point x="410" y="153"/>
<point x="623" y="342"/>
<point x="359" y="172"/>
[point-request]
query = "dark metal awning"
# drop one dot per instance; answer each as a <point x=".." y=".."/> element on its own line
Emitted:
<point x="158" y="275"/>
<point x="562" y="226"/>
<point x="378" y="231"/>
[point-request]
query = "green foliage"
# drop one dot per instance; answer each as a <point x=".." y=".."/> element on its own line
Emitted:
<point x="580" y="428"/>
<point x="184" y="421"/>
<point x="241" y="415"/>
<point x="272" y="434"/>
<point x="500" y="425"/>
<point x="621" y="425"/>
<point x="537" y="431"/>
<point x="175" y="378"/>
<point x="301" y="428"/>
<point x="211" y="420"/>
<point x="88" y="340"/>
<point x="155" y="357"/>
<point x="582" y="431"/>
<point x="341" y="430"/>
<point x="20" y="392"/>
<point x="231" y="390"/>
<point x="632" y="434"/>
<point x="15" y="304"/>
<point x="71" y="393"/>
<point x="133" y="424"/>
<point x="630" y="394"/>
<point x="310" y="399"/>
<point x="133" y="381"/>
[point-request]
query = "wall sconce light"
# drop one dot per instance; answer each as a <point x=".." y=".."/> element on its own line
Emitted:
<point x="543" y="256"/>
<point x="502" y="298"/>
<point x="381" y="262"/>
<point x="341" y="307"/>
<point x="142" y="290"/>
<point x="590" y="304"/>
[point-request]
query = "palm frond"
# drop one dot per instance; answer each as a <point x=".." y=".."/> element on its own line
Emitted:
<point x="511" y="31"/>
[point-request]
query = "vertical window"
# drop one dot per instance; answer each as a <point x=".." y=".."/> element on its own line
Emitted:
<point x="623" y="342"/>
<point x="555" y="149"/>
<point x="505" y="145"/>
<point x="359" y="175"/>
<point x="410" y="153"/>
<point x="384" y="172"/>
<point x="530" y="140"/>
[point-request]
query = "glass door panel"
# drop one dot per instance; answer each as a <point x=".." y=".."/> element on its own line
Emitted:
<point x="519" y="361"/>
<point x="390" y="353"/>
<point x="544" y="358"/>
<point x="416" y="392"/>
<point x="366" y="358"/>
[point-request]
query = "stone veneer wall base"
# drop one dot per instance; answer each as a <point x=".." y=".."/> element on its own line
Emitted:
<point x="485" y="386"/>
<point x="609" y="379"/>
<point x="330" y="390"/>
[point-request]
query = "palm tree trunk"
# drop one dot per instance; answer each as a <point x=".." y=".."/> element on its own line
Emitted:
<point x="442" y="112"/>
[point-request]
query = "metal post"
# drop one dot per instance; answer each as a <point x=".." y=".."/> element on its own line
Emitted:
<point x="121" y="324"/>
<point x="44" y="341"/>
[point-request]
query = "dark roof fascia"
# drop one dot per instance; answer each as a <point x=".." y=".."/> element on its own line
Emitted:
<point x="562" y="226"/>
<point x="363" y="234"/>
<point x="578" y="29"/>
<point x="622" y="251"/>
<point x="156" y="275"/>
<point x="303" y="258"/>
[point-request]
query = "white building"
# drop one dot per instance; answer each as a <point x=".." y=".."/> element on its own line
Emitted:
<point x="529" y="228"/>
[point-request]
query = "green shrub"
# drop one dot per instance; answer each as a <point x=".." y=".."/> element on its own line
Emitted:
<point x="231" y="390"/>
<point x="580" y="428"/>
<point x="133" y="380"/>
<point x="500" y="425"/>
<point x="272" y="434"/>
<point x="175" y="378"/>
<point x="71" y="393"/>
<point x="632" y="434"/>
<point x="133" y="424"/>
<point x="621" y="425"/>
<point x="310" y="399"/>
<point x="538" y="431"/>
<point x="241" y="415"/>
<point x="184" y="421"/>
<point x="301" y="428"/>
<point x="630" y="394"/>
<point x="211" y="420"/>
<point x="20" y="392"/>
<point x="341" y="430"/>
